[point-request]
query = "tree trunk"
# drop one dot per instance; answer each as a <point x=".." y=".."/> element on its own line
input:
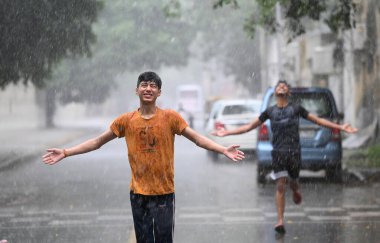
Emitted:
<point x="50" y="107"/>
<point x="45" y="99"/>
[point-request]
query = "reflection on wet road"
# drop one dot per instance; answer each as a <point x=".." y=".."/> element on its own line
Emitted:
<point x="86" y="199"/>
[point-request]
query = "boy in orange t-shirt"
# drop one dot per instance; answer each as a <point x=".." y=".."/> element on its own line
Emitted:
<point x="149" y="134"/>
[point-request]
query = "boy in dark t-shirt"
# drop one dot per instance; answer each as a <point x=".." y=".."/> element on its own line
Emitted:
<point x="286" y="142"/>
<point x="286" y="155"/>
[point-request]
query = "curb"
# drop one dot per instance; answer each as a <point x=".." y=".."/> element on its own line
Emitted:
<point x="14" y="159"/>
<point x="365" y="175"/>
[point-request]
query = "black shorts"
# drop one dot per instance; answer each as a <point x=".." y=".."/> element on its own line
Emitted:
<point x="286" y="163"/>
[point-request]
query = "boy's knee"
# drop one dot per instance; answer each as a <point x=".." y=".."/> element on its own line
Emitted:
<point x="280" y="185"/>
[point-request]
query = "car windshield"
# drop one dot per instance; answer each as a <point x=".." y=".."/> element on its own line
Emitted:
<point x="316" y="103"/>
<point x="240" y="109"/>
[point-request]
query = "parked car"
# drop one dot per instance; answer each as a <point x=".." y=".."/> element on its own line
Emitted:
<point x="229" y="114"/>
<point x="321" y="147"/>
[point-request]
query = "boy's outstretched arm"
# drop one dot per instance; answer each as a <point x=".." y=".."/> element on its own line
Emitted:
<point x="242" y="129"/>
<point x="54" y="155"/>
<point x="326" y="123"/>
<point x="230" y="152"/>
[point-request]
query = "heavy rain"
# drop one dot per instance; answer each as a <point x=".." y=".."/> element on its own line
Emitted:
<point x="119" y="120"/>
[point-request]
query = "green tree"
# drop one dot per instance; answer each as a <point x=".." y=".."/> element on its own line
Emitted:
<point x="36" y="35"/>
<point x="131" y="36"/>
<point x="336" y="14"/>
<point x="293" y="17"/>
<point x="220" y="36"/>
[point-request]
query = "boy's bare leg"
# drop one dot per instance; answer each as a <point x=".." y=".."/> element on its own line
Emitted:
<point x="297" y="198"/>
<point x="280" y="200"/>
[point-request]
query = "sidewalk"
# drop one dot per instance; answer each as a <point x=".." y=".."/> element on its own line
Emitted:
<point x="360" y="171"/>
<point x="20" y="145"/>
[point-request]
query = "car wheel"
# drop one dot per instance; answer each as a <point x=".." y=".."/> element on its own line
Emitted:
<point x="261" y="175"/>
<point x="334" y="173"/>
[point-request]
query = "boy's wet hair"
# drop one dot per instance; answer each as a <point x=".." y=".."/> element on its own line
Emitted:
<point x="282" y="81"/>
<point x="149" y="77"/>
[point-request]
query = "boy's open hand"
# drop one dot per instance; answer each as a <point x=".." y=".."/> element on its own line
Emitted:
<point x="53" y="156"/>
<point x="219" y="133"/>
<point x="348" y="128"/>
<point x="233" y="153"/>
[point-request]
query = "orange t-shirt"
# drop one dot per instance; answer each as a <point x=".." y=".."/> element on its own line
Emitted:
<point x="150" y="145"/>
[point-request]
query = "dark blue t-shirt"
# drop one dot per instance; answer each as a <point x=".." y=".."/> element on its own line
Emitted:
<point x="285" y="125"/>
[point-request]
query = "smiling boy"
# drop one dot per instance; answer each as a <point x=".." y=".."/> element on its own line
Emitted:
<point x="149" y="134"/>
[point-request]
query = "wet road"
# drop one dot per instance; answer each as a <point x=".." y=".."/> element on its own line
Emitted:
<point x="86" y="199"/>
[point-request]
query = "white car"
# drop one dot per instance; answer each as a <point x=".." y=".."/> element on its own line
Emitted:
<point x="230" y="114"/>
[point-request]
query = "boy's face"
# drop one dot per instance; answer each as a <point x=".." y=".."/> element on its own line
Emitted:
<point x="282" y="89"/>
<point x="148" y="91"/>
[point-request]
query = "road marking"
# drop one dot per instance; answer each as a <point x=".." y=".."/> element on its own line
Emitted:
<point x="361" y="206"/>
<point x="318" y="209"/>
<point x="243" y="219"/>
<point x="198" y="215"/>
<point x="70" y="222"/>
<point x="191" y="215"/>
<point x="242" y="210"/>
<point x="29" y="219"/>
<point x="330" y="218"/>
<point x="364" y="214"/>
<point x="114" y="218"/>
<point x="294" y="214"/>
<point x="7" y="215"/>
<point x="95" y="213"/>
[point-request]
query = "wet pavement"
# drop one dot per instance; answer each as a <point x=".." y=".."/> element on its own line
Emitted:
<point x="22" y="144"/>
<point x="86" y="199"/>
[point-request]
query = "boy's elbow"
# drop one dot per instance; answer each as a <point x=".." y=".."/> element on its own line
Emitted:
<point x="198" y="142"/>
<point x="97" y="146"/>
<point x="201" y="142"/>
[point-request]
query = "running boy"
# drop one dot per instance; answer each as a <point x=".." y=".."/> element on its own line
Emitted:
<point x="286" y="155"/>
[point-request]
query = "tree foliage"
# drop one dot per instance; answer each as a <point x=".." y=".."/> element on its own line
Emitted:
<point x="36" y="35"/>
<point x="131" y="36"/>
<point x="221" y="37"/>
<point x="336" y="14"/>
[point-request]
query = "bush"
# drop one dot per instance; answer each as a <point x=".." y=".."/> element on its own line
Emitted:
<point x="373" y="154"/>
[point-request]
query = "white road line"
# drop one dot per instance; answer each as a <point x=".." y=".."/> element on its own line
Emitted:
<point x="318" y="209"/>
<point x="329" y="218"/>
<point x="364" y="214"/>
<point x="242" y="210"/>
<point x="94" y="213"/>
<point x="70" y="222"/>
<point x="198" y="215"/>
<point x="7" y="215"/>
<point x="243" y="219"/>
<point x="363" y="206"/>
<point x="30" y="219"/>
<point x="114" y="217"/>
<point x="294" y="214"/>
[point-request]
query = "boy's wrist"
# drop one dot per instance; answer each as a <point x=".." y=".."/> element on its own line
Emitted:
<point x="65" y="153"/>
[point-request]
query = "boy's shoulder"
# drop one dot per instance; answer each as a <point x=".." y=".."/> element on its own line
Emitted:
<point x="170" y="111"/>
<point x="167" y="111"/>
<point x="127" y="115"/>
